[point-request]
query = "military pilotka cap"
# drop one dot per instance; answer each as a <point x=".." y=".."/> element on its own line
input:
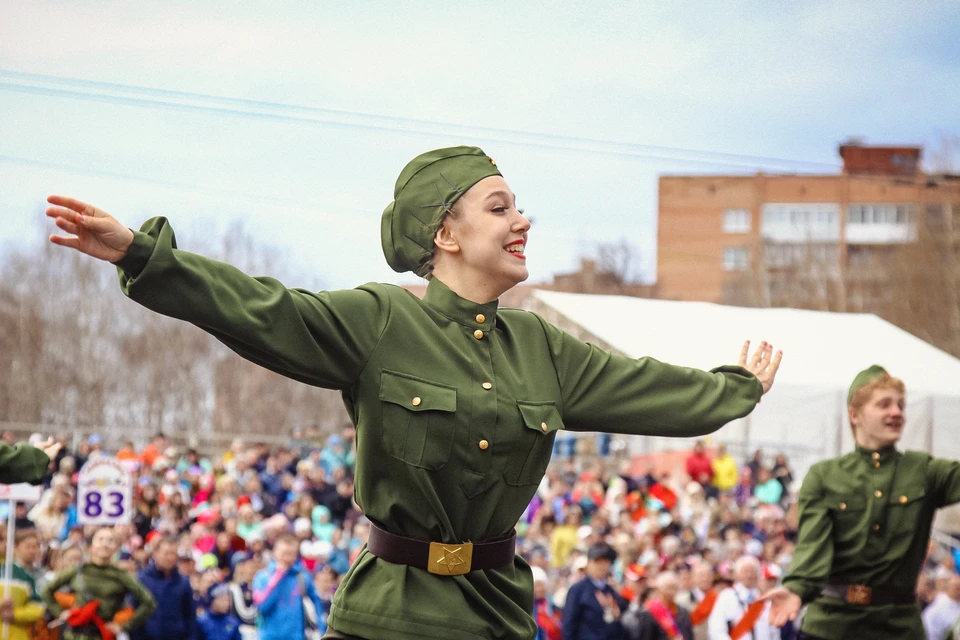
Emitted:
<point x="865" y="377"/>
<point x="427" y="187"/>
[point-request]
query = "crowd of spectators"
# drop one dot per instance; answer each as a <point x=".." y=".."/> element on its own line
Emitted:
<point x="616" y="551"/>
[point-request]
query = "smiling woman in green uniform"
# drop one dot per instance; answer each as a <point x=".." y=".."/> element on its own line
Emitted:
<point x="865" y="521"/>
<point x="456" y="402"/>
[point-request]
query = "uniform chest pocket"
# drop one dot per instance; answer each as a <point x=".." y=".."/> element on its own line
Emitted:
<point x="418" y="419"/>
<point x="905" y="509"/>
<point x="527" y="464"/>
<point x="847" y="511"/>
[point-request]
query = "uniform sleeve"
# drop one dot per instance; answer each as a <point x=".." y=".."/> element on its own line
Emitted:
<point x="144" y="599"/>
<point x="944" y="476"/>
<point x="813" y="555"/>
<point x="48" y="598"/>
<point x="616" y="394"/>
<point x="323" y="339"/>
<point x="22" y="463"/>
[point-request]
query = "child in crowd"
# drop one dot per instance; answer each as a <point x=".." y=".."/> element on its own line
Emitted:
<point x="217" y="623"/>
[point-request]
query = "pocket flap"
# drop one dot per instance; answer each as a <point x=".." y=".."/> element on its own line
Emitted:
<point x="845" y="501"/>
<point x="416" y="394"/>
<point x="541" y="417"/>
<point x="908" y="495"/>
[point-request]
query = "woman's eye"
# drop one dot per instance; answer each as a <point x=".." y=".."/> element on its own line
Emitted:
<point x="499" y="209"/>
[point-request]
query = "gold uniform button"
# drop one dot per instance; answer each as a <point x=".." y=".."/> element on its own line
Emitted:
<point x="878" y="494"/>
<point x="478" y="334"/>
<point x="544" y="427"/>
<point x="876" y="465"/>
<point x="483" y="444"/>
<point x="843" y="506"/>
<point x="416" y="401"/>
<point x="876" y="527"/>
<point x="481" y="318"/>
<point x="876" y="456"/>
<point x="903" y="499"/>
<point x="487" y="386"/>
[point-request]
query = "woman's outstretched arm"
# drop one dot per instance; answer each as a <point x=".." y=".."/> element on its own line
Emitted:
<point x="323" y="339"/>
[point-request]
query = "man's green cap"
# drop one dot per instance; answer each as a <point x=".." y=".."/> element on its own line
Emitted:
<point x="426" y="189"/>
<point x="865" y="377"/>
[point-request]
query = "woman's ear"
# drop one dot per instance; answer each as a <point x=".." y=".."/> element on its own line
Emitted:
<point x="445" y="239"/>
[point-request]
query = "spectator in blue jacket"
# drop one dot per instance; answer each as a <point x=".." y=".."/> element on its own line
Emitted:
<point x="217" y="623"/>
<point x="279" y="590"/>
<point x="592" y="609"/>
<point x="175" y="617"/>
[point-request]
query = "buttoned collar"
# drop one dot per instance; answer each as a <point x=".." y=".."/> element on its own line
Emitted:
<point x="878" y="455"/>
<point x="469" y="314"/>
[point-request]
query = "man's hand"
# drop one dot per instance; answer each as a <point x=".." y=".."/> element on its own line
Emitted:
<point x="95" y="232"/>
<point x="6" y="610"/>
<point x="784" y="605"/>
<point x="763" y="364"/>
<point x="115" y="628"/>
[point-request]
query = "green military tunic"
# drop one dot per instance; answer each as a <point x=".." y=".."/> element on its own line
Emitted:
<point x="22" y="463"/>
<point x="456" y="406"/>
<point x="106" y="583"/>
<point x="865" y="519"/>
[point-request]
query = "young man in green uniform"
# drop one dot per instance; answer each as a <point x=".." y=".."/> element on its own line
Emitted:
<point x="865" y="523"/>
<point x="100" y="580"/>
<point x="456" y="402"/>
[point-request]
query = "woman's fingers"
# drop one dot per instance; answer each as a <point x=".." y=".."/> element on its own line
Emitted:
<point x="63" y="212"/>
<point x="744" y="353"/>
<point x="774" y="364"/>
<point x="72" y="203"/>
<point x="73" y="243"/>
<point x="67" y="226"/>
<point x="757" y="355"/>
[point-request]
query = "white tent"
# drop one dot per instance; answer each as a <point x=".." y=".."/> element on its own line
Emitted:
<point x="804" y="415"/>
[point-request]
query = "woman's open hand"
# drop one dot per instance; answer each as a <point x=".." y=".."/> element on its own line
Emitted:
<point x="95" y="232"/>
<point x="763" y="364"/>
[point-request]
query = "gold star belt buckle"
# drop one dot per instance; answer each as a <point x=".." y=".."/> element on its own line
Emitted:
<point x="450" y="559"/>
<point x="859" y="594"/>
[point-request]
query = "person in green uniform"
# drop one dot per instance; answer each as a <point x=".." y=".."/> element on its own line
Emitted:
<point x="100" y="580"/>
<point x="456" y="401"/>
<point x="26" y="463"/>
<point x="865" y="521"/>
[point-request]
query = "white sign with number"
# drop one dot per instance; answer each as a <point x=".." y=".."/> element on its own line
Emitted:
<point x="104" y="493"/>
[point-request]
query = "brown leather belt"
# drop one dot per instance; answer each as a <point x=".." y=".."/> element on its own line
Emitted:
<point x="439" y="558"/>
<point x="867" y="596"/>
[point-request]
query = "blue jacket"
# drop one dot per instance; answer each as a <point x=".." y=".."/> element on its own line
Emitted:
<point x="279" y="600"/>
<point x="583" y="614"/>
<point x="175" y="617"/>
<point x="218" y="626"/>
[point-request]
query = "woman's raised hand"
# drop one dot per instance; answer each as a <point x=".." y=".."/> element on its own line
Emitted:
<point x="763" y="364"/>
<point x="95" y="232"/>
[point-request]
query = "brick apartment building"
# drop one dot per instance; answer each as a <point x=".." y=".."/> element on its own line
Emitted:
<point x="799" y="240"/>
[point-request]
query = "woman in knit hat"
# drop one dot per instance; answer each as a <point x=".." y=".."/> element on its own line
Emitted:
<point x="456" y="402"/>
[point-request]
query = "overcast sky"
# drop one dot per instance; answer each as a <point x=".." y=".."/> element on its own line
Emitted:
<point x="296" y="117"/>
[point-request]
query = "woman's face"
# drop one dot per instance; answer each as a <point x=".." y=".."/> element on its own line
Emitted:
<point x="485" y="241"/>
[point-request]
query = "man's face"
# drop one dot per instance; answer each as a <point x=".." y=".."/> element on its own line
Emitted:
<point x="747" y="575"/>
<point x="165" y="556"/>
<point x="879" y="422"/>
<point x="702" y="577"/>
<point x="598" y="569"/>
<point x="668" y="588"/>
<point x="103" y="546"/>
<point x="28" y="551"/>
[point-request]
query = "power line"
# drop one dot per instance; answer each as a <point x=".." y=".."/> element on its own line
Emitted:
<point x="135" y="95"/>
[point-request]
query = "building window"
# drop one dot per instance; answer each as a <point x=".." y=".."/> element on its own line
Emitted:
<point x="736" y="259"/>
<point x="736" y="221"/>
<point x="801" y="222"/>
